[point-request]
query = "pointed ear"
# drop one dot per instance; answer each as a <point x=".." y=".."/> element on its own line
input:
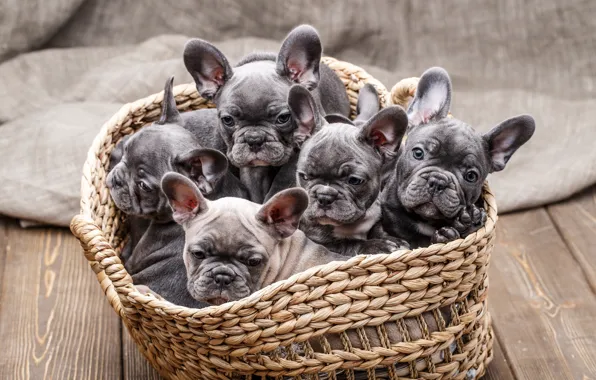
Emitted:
<point x="282" y="213"/>
<point x="368" y="103"/>
<point x="169" y="112"/>
<point x="433" y="97"/>
<point x="504" y="139"/>
<point x="204" y="166"/>
<point x="304" y="112"/>
<point x="185" y="198"/>
<point x="385" y="130"/>
<point x="207" y="65"/>
<point x="300" y="55"/>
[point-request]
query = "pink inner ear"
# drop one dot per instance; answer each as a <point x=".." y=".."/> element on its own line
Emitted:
<point x="378" y="138"/>
<point x="295" y="69"/>
<point x="218" y="76"/>
<point x="191" y="204"/>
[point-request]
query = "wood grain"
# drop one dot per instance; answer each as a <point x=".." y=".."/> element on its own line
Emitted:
<point x="499" y="368"/>
<point x="135" y="364"/>
<point x="543" y="308"/>
<point x="54" y="320"/>
<point x="576" y="221"/>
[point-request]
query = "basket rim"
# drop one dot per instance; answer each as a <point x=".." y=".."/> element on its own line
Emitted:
<point x="107" y="264"/>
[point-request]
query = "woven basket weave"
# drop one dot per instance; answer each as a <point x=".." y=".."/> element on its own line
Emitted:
<point x="269" y="332"/>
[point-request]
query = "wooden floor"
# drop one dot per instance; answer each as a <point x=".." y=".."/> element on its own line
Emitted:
<point x="55" y="323"/>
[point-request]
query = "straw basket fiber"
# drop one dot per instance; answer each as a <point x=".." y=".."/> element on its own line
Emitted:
<point x="282" y="330"/>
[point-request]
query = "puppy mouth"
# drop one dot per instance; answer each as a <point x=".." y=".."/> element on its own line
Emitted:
<point x="269" y="154"/>
<point x="441" y="204"/>
<point x="334" y="216"/>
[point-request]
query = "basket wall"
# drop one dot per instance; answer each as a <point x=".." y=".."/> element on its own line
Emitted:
<point x="270" y="332"/>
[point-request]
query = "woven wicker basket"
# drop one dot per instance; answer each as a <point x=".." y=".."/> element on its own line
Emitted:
<point x="269" y="332"/>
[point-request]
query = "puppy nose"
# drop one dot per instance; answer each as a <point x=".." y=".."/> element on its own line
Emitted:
<point x="325" y="200"/>
<point x="437" y="182"/>
<point x="254" y="140"/>
<point x="223" y="279"/>
<point x="113" y="180"/>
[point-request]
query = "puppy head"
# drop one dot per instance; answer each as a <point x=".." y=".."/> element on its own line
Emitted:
<point x="444" y="162"/>
<point x="340" y="166"/>
<point x="231" y="243"/>
<point x="141" y="160"/>
<point x="251" y="98"/>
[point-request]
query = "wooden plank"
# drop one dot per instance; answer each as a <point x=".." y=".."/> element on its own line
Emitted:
<point x="54" y="320"/>
<point x="576" y="221"/>
<point x="543" y="308"/>
<point x="135" y="364"/>
<point x="499" y="368"/>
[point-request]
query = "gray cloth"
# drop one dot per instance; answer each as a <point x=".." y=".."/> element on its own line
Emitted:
<point x="505" y="58"/>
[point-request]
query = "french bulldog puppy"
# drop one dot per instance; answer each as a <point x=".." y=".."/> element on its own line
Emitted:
<point x="235" y="247"/>
<point x="254" y="119"/>
<point x="153" y="255"/>
<point x="442" y="166"/>
<point x="341" y="169"/>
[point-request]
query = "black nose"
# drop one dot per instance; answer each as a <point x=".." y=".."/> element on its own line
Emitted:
<point x="223" y="279"/>
<point x="114" y="180"/>
<point x="437" y="182"/>
<point x="325" y="200"/>
<point x="254" y="140"/>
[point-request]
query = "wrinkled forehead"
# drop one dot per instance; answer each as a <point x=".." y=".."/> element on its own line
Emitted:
<point x="255" y="86"/>
<point x="229" y="223"/>
<point x="158" y="142"/>
<point x="449" y="138"/>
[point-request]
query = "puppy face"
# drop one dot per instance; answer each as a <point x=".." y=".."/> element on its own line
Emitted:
<point x="231" y="243"/>
<point x="254" y="117"/>
<point x="444" y="162"/>
<point x="141" y="160"/>
<point x="340" y="166"/>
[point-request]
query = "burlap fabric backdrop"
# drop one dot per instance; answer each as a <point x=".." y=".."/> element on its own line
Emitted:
<point x="68" y="65"/>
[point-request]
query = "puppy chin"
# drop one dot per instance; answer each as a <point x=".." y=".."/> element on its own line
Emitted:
<point x="333" y="217"/>
<point x="270" y="154"/>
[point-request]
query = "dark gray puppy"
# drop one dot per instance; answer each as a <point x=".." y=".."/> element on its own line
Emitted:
<point x="235" y="247"/>
<point x="251" y="99"/>
<point x="153" y="255"/>
<point x="442" y="166"/>
<point x="341" y="169"/>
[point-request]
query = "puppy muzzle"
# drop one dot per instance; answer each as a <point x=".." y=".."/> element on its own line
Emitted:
<point x="433" y="193"/>
<point x="218" y="285"/>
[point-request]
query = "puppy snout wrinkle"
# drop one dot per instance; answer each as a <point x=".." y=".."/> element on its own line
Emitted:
<point x="114" y="180"/>
<point x="326" y="196"/>
<point x="223" y="276"/>
<point x="437" y="182"/>
<point x="254" y="140"/>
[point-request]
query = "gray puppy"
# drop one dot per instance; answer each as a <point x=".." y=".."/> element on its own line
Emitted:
<point x="153" y="255"/>
<point x="341" y="169"/>
<point x="442" y="166"/>
<point x="254" y="119"/>
<point x="235" y="247"/>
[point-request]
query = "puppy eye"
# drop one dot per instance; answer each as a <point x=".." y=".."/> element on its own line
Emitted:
<point x="303" y="176"/>
<point x="418" y="153"/>
<point x="471" y="176"/>
<point x="228" y="121"/>
<point x="198" y="254"/>
<point x="143" y="186"/>
<point x="283" y="118"/>
<point x="355" y="181"/>
<point x="254" y="261"/>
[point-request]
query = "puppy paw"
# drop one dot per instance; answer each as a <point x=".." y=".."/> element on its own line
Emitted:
<point x="470" y="220"/>
<point x="445" y="235"/>
<point x="145" y="290"/>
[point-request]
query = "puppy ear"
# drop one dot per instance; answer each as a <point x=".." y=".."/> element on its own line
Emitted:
<point x="385" y="130"/>
<point x="283" y="211"/>
<point x="207" y="65"/>
<point x="205" y="166"/>
<point x="433" y="97"/>
<point x="304" y="112"/>
<point x="337" y="118"/>
<point x="169" y="112"/>
<point x="504" y="139"/>
<point x="185" y="198"/>
<point x="368" y="103"/>
<point x="300" y="55"/>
